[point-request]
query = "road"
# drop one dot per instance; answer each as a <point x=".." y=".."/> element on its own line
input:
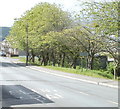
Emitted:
<point x="21" y="86"/>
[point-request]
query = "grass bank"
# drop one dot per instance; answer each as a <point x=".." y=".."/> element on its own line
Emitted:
<point x="92" y="73"/>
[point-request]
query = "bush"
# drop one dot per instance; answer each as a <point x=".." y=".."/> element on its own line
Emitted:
<point x="77" y="67"/>
<point x="111" y="67"/>
<point x="96" y="63"/>
<point x="118" y="78"/>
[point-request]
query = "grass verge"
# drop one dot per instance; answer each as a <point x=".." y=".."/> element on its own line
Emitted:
<point x="92" y="73"/>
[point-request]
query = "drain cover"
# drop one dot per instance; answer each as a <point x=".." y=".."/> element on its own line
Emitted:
<point x="19" y="95"/>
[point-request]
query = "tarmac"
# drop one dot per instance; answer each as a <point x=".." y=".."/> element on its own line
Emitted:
<point x="88" y="79"/>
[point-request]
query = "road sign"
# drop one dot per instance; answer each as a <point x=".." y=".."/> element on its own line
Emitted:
<point x="84" y="54"/>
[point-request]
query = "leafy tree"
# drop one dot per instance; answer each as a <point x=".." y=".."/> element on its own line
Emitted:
<point x="37" y="22"/>
<point x="102" y="20"/>
<point x="85" y="41"/>
<point x="102" y="17"/>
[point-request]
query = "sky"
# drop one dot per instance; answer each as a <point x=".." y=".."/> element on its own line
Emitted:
<point x="11" y="9"/>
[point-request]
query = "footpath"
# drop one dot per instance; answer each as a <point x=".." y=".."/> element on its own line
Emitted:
<point x="83" y="78"/>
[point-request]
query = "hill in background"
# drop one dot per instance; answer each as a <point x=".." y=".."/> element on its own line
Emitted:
<point x="4" y="31"/>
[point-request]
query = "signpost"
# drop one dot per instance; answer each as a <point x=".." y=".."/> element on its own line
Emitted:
<point x="83" y="55"/>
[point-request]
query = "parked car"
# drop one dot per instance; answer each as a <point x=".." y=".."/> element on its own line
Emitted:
<point x="3" y="54"/>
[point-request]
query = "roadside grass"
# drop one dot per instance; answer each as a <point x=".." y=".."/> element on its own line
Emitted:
<point x="81" y="71"/>
<point x="22" y="59"/>
<point x="92" y="73"/>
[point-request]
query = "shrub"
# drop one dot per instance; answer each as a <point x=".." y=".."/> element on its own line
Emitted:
<point x="96" y="63"/>
<point x="111" y="67"/>
<point x="118" y="78"/>
<point x="77" y="67"/>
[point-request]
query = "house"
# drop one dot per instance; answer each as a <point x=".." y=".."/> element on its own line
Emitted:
<point x="7" y="49"/>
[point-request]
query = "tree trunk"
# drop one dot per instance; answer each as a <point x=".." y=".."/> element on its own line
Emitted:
<point x="90" y="62"/>
<point x="63" y="60"/>
<point x="59" y="61"/>
<point x="33" y="56"/>
<point x="44" y="60"/>
<point x="118" y="69"/>
<point x="74" y="62"/>
<point x="53" y="59"/>
<point x="47" y="58"/>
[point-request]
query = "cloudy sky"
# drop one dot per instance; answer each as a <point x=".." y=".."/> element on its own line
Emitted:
<point x="11" y="9"/>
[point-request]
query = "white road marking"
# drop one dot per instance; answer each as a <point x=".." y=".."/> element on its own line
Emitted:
<point x="53" y="96"/>
<point x="44" y="98"/>
<point x="22" y="91"/>
<point x="21" y="97"/>
<point x="112" y="102"/>
<point x="65" y="76"/>
<point x="10" y="92"/>
<point x="44" y="90"/>
<point x="38" y="100"/>
<point x="83" y="80"/>
<point x="104" y="84"/>
<point x="48" y="96"/>
<point x="58" y="95"/>
<point x="55" y="90"/>
<point x="84" y="93"/>
<point x="73" y="79"/>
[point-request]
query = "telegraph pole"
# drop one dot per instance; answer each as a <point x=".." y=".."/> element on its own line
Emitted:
<point x="27" y="48"/>
<point x="26" y="41"/>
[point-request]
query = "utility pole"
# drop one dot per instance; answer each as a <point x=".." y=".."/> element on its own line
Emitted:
<point x="27" y="48"/>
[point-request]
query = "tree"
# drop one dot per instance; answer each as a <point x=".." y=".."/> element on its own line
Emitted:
<point x="102" y="20"/>
<point x="102" y="17"/>
<point x="40" y="20"/>
<point x="85" y="41"/>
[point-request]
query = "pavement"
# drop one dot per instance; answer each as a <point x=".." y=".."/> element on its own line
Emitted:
<point x="83" y="78"/>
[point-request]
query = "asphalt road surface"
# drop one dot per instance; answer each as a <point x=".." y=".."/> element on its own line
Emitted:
<point x="24" y="87"/>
